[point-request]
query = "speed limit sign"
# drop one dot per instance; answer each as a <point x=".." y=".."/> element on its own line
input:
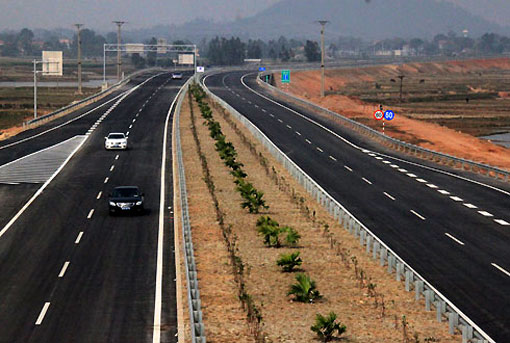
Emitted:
<point x="378" y="115"/>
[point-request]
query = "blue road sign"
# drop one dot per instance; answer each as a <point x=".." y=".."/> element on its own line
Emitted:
<point x="262" y="68"/>
<point x="285" y="76"/>
<point x="389" y="115"/>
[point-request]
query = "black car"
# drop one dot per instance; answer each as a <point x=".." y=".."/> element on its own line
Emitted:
<point x="125" y="199"/>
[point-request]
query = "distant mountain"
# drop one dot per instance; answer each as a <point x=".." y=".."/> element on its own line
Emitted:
<point x="374" y="19"/>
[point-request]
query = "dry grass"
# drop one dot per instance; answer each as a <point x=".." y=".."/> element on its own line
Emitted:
<point x="326" y="255"/>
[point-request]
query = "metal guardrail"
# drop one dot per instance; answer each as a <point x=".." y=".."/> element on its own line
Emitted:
<point x="394" y="143"/>
<point x="194" y="304"/>
<point x="83" y="101"/>
<point x="444" y="308"/>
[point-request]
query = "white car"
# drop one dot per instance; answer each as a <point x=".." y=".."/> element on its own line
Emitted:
<point x="115" y="140"/>
<point x="176" y="76"/>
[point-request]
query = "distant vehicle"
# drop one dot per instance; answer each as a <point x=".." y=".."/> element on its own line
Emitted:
<point x="125" y="199"/>
<point x="176" y="76"/>
<point x="115" y="140"/>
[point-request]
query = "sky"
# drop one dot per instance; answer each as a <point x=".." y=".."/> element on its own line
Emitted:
<point x="97" y="14"/>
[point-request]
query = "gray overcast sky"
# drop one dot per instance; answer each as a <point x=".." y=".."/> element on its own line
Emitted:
<point x="16" y="14"/>
<point x="96" y="14"/>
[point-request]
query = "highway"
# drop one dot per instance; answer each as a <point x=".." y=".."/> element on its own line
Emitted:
<point x="452" y="227"/>
<point x="70" y="272"/>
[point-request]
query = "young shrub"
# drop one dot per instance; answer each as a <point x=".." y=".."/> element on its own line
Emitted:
<point x="271" y="234"/>
<point x="266" y="220"/>
<point x="289" y="261"/>
<point x="292" y="237"/>
<point x="238" y="173"/>
<point x="304" y="290"/>
<point x="325" y="327"/>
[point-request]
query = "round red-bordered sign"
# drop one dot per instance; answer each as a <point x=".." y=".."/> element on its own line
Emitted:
<point x="378" y="115"/>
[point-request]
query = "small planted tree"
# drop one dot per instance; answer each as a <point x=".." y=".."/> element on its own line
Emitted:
<point x="289" y="261"/>
<point x="326" y="326"/>
<point x="305" y="289"/>
<point x="292" y="237"/>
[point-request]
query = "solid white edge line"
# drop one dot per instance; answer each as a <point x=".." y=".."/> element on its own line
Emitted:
<point x="389" y="196"/>
<point x="42" y="314"/>
<point x="78" y="239"/>
<point x="64" y="269"/>
<point x="455" y="239"/>
<point x="40" y="190"/>
<point x="501" y="269"/>
<point x="156" y="334"/>
<point x="417" y="214"/>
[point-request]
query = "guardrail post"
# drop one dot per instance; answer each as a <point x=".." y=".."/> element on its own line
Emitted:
<point x="439" y="310"/>
<point x="382" y="257"/>
<point x="467" y="333"/>
<point x="375" y="250"/>
<point x="391" y="261"/>
<point x="369" y="244"/>
<point x="409" y="276"/>
<point x="429" y="298"/>
<point x="400" y="269"/>
<point x="362" y="236"/>
<point x="453" y="322"/>
<point x="418" y="289"/>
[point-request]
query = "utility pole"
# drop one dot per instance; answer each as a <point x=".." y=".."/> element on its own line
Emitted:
<point x="323" y="24"/>
<point x="119" y="60"/>
<point x="78" y="27"/>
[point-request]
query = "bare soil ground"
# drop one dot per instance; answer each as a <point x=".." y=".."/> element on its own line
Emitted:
<point x="434" y="112"/>
<point x="17" y="104"/>
<point x="327" y="250"/>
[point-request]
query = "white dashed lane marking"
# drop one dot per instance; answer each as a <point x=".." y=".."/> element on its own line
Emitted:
<point x="297" y="133"/>
<point x="411" y="175"/>
<point x="389" y="196"/>
<point x="106" y="180"/>
<point x="430" y="185"/>
<point x="117" y="157"/>
<point x="91" y="213"/>
<point x="78" y="239"/>
<point x="281" y="121"/>
<point x="308" y="141"/>
<point x="99" y="195"/>
<point x="454" y="239"/>
<point x="319" y="149"/>
<point x="367" y="181"/>
<point x="501" y="269"/>
<point x="486" y="214"/>
<point x="289" y="127"/>
<point x="454" y="198"/>
<point x="421" y="180"/>
<point x="112" y="168"/>
<point x="331" y="157"/>
<point x="402" y="170"/>
<point x="42" y="314"/>
<point x="470" y="205"/>
<point x="349" y="169"/>
<point x="64" y="268"/>
<point x="502" y="222"/>
<point x="417" y="215"/>
<point x="442" y="191"/>
<point x="394" y="166"/>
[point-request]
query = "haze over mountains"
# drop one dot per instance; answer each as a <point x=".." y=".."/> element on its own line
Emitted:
<point x="376" y="19"/>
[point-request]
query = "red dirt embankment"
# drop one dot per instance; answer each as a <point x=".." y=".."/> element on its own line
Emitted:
<point x="306" y="84"/>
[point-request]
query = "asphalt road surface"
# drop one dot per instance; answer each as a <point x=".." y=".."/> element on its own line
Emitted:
<point x="454" y="232"/>
<point x="70" y="272"/>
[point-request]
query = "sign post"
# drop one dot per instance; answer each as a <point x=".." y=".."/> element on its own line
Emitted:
<point x="285" y="76"/>
<point x="51" y="65"/>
